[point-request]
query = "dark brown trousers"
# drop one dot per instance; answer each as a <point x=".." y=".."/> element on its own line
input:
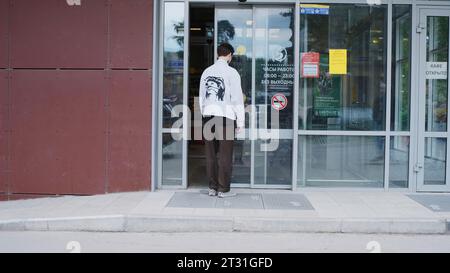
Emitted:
<point x="219" y="151"/>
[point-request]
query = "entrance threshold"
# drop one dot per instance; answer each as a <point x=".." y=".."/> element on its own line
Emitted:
<point x="245" y="199"/>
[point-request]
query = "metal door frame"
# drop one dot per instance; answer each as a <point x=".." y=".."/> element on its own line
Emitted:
<point x="422" y="14"/>
<point x="158" y="47"/>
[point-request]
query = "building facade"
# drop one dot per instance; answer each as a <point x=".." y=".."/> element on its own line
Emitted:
<point x="75" y="97"/>
<point x="99" y="96"/>
<point x="340" y="94"/>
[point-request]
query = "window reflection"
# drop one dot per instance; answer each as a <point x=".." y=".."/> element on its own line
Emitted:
<point x="173" y="60"/>
<point x="435" y="161"/>
<point x="173" y="56"/>
<point x="341" y="161"/>
<point x="172" y="166"/>
<point x="354" y="100"/>
<point x="274" y="64"/>
<point x="437" y="87"/>
<point x="274" y="78"/>
<point x="399" y="162"/>
<point x="401" y="71"/>
<point x="273" y="167"/>
<point x="235" y="26"/>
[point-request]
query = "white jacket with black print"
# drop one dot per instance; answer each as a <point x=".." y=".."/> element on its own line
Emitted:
<point x="221" y="93"/>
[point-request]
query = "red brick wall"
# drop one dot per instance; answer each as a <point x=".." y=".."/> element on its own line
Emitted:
<point x="75" y="97"/>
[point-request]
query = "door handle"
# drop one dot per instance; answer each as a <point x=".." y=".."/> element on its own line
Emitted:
<point x="420" y="28"/>
<point x="418" y="167"/>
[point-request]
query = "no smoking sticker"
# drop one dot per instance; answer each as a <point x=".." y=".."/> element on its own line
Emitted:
<point x="279" y="102"/>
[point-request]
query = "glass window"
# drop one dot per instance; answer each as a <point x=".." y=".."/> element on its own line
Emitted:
<point x="273" y="162"/>
<point x="436" y="87"/>
<point x="241" y="162"/>
<point x="401" y="68"/>
<point x="235" y="26"/>
<point x="399" y="162"/>
<point x="173" y="57"/>
<point x="274" y="79"/>
<point x="173" y="64"/>
<point x="348" y="90"/>
<point x="341" y="161"/>
<point x="435" y="161"/>
<point x="172" y="155"/>
<point x="274" y="64"/>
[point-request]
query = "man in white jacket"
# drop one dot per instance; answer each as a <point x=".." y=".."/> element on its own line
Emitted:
<point x="222" y="107"/>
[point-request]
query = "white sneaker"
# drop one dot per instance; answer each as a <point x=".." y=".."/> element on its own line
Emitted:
<point x="226" y="194"/>
<point x="212" y="192"/>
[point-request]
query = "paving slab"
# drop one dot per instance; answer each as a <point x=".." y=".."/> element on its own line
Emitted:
<point x="250" y="211"/>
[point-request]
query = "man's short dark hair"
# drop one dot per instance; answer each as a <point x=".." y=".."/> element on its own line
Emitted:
<point x="225" y="49"/>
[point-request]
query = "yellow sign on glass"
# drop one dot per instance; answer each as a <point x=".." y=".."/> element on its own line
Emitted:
<point x="338" y="61"/>
<point x="241" y="50"/>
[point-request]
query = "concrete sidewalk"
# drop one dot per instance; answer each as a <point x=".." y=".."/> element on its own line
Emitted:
<point x="329" y="211"/>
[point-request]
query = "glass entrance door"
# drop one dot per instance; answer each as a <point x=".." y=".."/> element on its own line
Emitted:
<point x="263" y="38"/>
<point x="433" y="166"/>
<point x="235" y="26"/>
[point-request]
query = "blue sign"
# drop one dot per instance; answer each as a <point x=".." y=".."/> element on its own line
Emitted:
<point x="315" y="11"/>
<point x="175" y="64"/>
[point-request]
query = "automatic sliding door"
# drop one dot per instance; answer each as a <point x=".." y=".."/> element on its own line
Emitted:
<point x="263" y="38"/>
<point x="235" y="26"/>
<point x="274" y="93"/>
